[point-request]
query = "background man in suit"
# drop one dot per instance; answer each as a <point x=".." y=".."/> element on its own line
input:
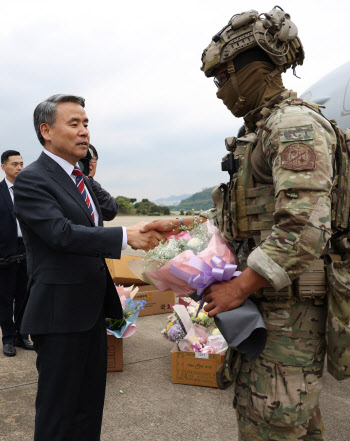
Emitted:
<point x="70" y="288"/>
<point x="13" y="271"/>
<point x="108" y="204"/>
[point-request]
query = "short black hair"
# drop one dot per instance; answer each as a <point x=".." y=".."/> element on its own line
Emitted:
<point x="5" y="156"/>
<point x="94" y="151"/>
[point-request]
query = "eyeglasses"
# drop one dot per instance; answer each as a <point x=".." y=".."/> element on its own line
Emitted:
<point x="93" y="161"/>
<point x="221" y="78"/>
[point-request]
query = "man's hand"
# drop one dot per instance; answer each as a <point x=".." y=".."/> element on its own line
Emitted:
<point x="229" y="295"/>
<point x="223" y="296"/>
<point x="144" y="241"/>
<point x="167" y="227"/>
<point x="170" y="227"/>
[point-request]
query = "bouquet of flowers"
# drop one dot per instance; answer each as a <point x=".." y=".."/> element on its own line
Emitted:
<point x="192" y="332"/>
<point x="126" y="326"/>
<point x="188" y="262"/>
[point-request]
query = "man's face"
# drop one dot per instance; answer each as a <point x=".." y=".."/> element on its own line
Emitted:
<point x="92" y="166"/>
<point x="69" y="137"/>
<point x="12" y="167"/>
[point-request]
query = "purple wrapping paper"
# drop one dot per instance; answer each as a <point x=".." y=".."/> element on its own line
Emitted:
<point x="220" y="271"/>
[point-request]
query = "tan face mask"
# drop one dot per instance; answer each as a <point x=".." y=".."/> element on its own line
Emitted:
<point x="228" y="96"/>
<point x="249" y="79"/>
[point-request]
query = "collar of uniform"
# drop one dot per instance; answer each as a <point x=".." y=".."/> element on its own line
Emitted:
<point x="252" y="117"/>
<point x="67" y="166"/>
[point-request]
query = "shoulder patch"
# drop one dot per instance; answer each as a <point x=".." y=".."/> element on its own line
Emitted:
<point x="298" y="156"/>
<point x="301" y="133"/>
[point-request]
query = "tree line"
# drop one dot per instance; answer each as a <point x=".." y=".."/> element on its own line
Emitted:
<point x="145" y="207"/>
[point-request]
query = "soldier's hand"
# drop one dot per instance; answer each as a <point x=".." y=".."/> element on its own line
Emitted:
<point x="166" y="227"/>
<point x="170" y="227"/>
<point x="229" y="295"/>
<point x="222" y="297"/>
<point x="143" y="241"/>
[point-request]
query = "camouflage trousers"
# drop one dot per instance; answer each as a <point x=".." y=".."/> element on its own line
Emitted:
<point x="277" y="396"/>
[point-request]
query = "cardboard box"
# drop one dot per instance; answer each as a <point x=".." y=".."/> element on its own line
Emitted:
<point x="120" y="271"/>
<point x="114" y="354"/>
<point x="195" y="368"/>
<point x="157" y="302"/>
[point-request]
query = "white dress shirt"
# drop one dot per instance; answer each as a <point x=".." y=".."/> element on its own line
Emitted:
<point x="10" y="187"/>
<point x="68" y="168"/>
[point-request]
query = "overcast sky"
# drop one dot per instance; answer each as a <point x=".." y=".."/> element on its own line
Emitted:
<point x="154" y="116"/>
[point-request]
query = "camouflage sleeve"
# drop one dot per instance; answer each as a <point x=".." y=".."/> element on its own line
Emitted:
<point x="299" y="146"/>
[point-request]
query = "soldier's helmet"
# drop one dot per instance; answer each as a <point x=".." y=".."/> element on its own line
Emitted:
<point x="274" y="32"/>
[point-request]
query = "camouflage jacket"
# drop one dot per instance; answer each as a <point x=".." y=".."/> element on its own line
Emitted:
<point x="294" y="152"/>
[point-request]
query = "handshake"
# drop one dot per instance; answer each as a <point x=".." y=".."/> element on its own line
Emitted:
<point x="140" y="239"/>
<point x="146" y="236"/>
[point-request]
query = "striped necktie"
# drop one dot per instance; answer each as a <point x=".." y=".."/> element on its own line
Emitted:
<point x="81" y="187"/>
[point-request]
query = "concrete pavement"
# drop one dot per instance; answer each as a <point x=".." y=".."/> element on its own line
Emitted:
<point x="151" y="407"/>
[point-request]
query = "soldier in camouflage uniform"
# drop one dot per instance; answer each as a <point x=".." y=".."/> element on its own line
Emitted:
<point x="276" y="214"/>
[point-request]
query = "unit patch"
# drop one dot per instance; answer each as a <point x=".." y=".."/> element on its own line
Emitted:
<point x="298" y="156"/>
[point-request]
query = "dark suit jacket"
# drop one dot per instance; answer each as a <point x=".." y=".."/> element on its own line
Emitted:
<point x="69" y="283"/>
<point x="8" y="225"/>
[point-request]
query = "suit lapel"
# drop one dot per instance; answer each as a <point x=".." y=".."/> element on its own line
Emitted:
<point x="65" y="182"/>
<point x="6" y="194"/>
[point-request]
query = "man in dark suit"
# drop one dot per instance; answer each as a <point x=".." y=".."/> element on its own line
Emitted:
<point x="13" y="271"/>
<point x="70" y="289"/>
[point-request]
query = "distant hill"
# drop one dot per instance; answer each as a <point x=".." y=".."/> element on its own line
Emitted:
<point x="198" y="201"/>
<point x="171" y="200"/>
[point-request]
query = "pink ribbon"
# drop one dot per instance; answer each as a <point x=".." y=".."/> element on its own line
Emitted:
<point x="219" y="272"/>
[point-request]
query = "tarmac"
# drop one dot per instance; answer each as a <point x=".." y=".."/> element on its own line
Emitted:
<point x="142" y="404"/>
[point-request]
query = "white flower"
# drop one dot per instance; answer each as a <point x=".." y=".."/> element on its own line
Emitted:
<point x="175" y="246"/>
<point x="194" y="243"/>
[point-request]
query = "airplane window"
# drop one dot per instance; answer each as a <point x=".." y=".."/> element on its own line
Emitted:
<point x="346" y="105"/>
